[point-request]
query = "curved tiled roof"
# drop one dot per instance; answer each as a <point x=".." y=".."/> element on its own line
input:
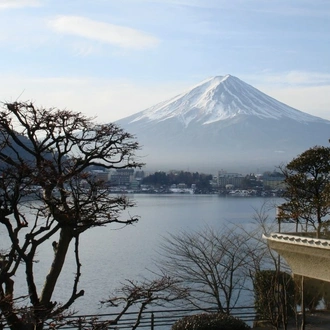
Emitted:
<point x="299" y="240"/>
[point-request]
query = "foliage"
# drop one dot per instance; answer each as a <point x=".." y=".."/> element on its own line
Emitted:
<point x="160" y="178"/>
<point x="274" y="296"/>
<point x="308" y="188"/>
<point x="314" y="291"/>
<point x="326" y="295"/>
<point x="250" y="182"/>
<point x="208" y="321"/>
<point x="212" y="264"/>
<point x="48" y="193"/>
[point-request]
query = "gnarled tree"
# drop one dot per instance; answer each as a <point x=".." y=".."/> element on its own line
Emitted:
<point x="46" y="156"/>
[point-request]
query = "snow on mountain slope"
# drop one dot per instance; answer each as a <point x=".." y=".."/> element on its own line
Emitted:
<point x="223" y="123"/>
<point x="220" y="98"/>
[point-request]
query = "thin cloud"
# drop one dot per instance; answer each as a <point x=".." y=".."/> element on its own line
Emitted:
<point x="294" y="8"/>
<point x="307" y="91"/>
<point x="117" y="35"/>
<point x="112" y="99"/>
<point x="187" y="3"/>
<point x="310" y="99"/>
<point x="299" y="78"/>
<point x="8" y="4"/>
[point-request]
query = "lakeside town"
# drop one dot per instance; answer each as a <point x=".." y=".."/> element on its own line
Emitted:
<point x="267" y="184"/>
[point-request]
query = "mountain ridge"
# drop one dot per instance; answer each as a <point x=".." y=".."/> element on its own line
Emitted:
<point x="219" y="98"/>
<point x="222" y="122"/>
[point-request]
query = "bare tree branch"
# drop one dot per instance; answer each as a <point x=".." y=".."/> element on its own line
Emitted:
<point x="210" y="263"/>
<point x="46" y="155"/>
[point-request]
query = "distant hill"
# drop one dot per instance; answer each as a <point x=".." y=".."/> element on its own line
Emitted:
<point x="223" y="123"/>
<point x="20" y="152"/>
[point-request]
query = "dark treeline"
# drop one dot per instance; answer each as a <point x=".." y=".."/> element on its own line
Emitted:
<point x="158" y="179"/>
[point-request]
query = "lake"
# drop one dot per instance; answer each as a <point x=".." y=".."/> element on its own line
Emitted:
<point x="111" y="254"/>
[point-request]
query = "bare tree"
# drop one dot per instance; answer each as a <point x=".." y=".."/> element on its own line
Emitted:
<point x="265" y="257"/>
<point x="270" y="274"/>
<point x="211" y="264"/>
<point x="157" y="292"/>
<point x="47" y="155"/>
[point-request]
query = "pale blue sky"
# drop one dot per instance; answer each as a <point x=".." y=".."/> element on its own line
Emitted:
<point x="113" y="58"/>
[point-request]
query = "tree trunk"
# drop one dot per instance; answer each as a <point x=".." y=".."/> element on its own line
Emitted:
<point x="39" y="314"/>
<point x="318" y="231"/>
<point x="57" y="265"/>
<point x="303" y="311"/>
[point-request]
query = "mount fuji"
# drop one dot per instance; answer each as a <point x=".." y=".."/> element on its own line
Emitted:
<point x="223" y="123"/>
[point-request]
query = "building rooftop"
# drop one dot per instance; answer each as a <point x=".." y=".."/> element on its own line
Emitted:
<point x="306" y="256"/>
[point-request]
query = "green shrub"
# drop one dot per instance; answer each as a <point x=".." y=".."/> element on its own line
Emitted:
<point x="274" y="296"/>
<point x="210" y="321"/>
<point x="314" y="291"/>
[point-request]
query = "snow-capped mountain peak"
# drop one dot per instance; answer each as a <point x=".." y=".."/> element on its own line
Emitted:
<point x="223" y="123"/>
<point x="219" y="98"/>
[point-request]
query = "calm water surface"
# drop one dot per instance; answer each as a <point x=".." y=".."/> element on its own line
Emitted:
<point x="109" y="255"/>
